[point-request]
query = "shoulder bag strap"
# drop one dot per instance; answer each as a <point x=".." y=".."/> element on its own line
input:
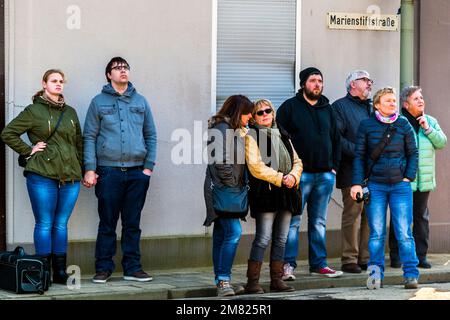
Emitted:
<point x="57" y="125"/>
<point x="376" y="153"/>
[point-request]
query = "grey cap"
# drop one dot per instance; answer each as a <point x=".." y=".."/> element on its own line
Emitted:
<point x="356" y="74"/>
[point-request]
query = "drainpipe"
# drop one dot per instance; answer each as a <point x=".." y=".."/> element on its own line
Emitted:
<point x="2" y="124"/>
<point x="407" y="44"/>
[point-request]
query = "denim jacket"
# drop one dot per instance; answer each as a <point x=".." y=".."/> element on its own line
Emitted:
<point x="119" y="130"/>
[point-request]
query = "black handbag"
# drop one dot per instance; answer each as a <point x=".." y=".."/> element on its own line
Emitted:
<point x="295" y="199"/>
<point x="22" y="273"/>
<point x="22" y="160"/>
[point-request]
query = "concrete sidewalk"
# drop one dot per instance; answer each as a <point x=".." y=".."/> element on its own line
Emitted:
<point x="198" y="283"/>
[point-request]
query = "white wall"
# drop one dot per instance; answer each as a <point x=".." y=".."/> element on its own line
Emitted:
<point x="337" y="52"/>
<point x="168" y="44"/>
<point x="435" y="81"/>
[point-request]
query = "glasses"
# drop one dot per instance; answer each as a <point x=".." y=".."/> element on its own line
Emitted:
<point x="366" y="80"/>
<point x="120" y="68"/>
<point x="261" y="112"/>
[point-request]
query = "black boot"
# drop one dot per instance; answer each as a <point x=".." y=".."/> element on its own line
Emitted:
<point x="59" y="268"/>
<point x="48" y="259"/>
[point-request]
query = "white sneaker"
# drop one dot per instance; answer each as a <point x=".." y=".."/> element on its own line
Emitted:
<point x="224" y="289"/>
<point x="288" y="272"/>
<point x="140" y="276"/>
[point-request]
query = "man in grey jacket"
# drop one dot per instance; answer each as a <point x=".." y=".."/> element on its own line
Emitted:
<point x="350" y="110"/>
<point x="119" y="156"/>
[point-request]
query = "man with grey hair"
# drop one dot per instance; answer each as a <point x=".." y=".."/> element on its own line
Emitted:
<point x="430" y="138"/>
<point x="350" y="110"/>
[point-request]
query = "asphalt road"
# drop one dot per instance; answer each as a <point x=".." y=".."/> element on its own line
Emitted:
<point x="433" y="291"/>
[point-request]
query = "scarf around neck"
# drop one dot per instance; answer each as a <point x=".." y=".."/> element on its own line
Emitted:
<point x="283" y="157"/>
<point x="388" y="119"/>
<point x="58" y="104"/>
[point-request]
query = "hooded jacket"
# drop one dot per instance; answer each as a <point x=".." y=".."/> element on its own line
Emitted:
<point x="119" y="130"/>
<point x="62" y="158"/>
<point x="314" y="132"/>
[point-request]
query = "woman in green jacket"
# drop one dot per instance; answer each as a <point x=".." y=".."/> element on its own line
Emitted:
<point x="429" y="137"/>
<point x="53" y="168"/>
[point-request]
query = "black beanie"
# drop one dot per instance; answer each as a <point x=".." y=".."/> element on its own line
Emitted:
<point x="305" y="73"/>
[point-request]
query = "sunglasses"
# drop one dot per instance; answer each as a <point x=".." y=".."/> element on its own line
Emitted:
<point x="261" y="112"/>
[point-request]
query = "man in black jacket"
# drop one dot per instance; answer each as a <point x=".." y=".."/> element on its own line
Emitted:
<point x="310" y="121"/>
<point x="350" y="110"/>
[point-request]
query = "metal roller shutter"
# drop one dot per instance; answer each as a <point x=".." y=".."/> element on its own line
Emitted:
<point x="256" y="49"/>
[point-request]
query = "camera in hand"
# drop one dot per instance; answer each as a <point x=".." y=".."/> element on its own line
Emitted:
<point x="365" y="196"/>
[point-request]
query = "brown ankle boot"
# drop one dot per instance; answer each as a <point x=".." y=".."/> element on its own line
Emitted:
<point x="276" y="273"/>
<point x="253" y="271"/>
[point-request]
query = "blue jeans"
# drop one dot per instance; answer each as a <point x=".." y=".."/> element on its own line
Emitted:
<point x="120" y="193"/>
<point x="270" y="225"/>
<point x="399" y="198"/>
<point x="226" y="236"/>
<point x="52" y="203"/>
<point x="316" y="193"/>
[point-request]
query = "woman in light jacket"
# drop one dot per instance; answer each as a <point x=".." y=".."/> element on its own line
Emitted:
<point x="274" y="194"/>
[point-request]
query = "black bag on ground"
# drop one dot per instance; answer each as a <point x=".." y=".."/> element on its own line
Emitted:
<point x="22" y="273"/>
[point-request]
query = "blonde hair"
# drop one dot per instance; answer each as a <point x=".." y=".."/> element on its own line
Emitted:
<point x="257" y="104"/>
<point x="382" y="92"/>
<point x="45" y="77"/>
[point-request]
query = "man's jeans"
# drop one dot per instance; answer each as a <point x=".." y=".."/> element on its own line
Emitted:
<point x="270" y="225"/>
<point x="421" y="228"/>
<point x="316" y="192"/>
<point x="52" y="204"/>
<point x="120" y="193"/>
<point x="226" y="236"/>
<point x="399" y="198"/>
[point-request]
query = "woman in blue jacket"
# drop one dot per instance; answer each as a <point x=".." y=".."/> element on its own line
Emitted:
<point x="389" y="183"/>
